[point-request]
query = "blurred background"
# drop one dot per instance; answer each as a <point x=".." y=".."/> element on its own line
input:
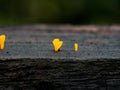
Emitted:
<point x="59" y="12"/>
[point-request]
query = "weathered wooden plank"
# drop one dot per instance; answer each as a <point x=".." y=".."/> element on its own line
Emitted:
<point x="28" y="61"/>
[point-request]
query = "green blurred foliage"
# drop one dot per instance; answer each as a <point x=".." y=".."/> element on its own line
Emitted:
<point x="59" y="11"/>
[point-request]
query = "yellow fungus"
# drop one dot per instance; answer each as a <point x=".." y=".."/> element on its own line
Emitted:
<point x="2" y="41"/>
<point x="76" y="46"/>
<point x="57" y="43"/>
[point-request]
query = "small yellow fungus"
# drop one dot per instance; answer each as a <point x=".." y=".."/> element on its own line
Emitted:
<point x="76" y="47"/>
<point x="57" y="43"/>
<point x="2" y="41"/>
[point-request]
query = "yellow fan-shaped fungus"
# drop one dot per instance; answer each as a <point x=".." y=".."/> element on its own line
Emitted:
<point x="57" y="43"/>
<point x="2" y="41"/>
<point x="76" y="46"/>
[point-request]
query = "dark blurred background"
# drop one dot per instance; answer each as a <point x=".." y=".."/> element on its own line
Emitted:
<point x="59" y="11"/>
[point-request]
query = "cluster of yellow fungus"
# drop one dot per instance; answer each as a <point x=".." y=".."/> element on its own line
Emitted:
<point x="57" y="44"/>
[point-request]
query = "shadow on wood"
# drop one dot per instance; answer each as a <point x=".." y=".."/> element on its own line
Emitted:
<point x="60" y="74"/>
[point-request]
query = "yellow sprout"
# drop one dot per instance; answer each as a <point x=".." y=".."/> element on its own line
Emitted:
<point x="2" y="41"/>
<point x="76" y="47"/>
<point x="57" y="44"/>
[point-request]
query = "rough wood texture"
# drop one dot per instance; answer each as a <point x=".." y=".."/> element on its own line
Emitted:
<point x="59" y="75"/>
<point x="29" y="63"/>
<point x="36" y="42"/>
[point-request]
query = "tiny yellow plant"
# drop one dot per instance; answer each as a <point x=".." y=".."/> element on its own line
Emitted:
<point x="2" y="41"/>
<point x="57" y="43"/>
<point x="76" y="47"/>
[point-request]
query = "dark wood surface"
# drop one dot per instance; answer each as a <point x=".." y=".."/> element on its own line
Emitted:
<point x="59" y="75"/>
